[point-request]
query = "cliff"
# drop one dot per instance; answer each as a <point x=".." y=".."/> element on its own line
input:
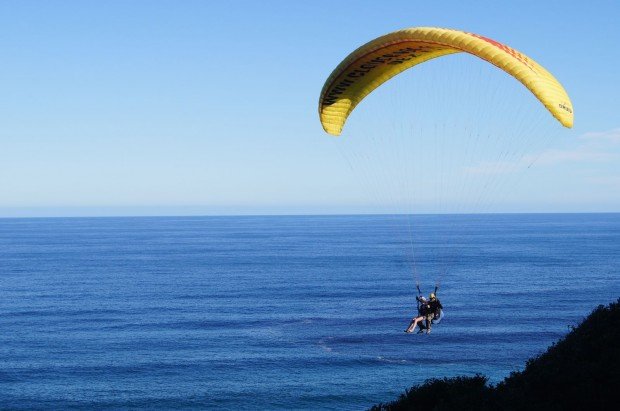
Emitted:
<point x="582" y="370"/>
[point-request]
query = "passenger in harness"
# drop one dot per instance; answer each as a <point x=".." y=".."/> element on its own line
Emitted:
<point x="423" y="311"/>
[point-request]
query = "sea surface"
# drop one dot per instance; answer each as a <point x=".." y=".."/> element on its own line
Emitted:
<point x="296" y="312"/>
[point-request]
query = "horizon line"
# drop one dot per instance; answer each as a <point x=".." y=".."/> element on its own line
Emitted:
<point x="348" y="214"/>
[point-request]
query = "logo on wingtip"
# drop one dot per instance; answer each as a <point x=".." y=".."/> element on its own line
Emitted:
<point x="565" y="107"/>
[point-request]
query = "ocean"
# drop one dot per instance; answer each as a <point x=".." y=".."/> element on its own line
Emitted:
<point x="284" y="312"/>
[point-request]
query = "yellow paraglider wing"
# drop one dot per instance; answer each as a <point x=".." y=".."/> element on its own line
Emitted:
<point x="381" y="59"/>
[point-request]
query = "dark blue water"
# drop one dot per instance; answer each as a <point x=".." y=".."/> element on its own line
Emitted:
<point x="283" y="312"/>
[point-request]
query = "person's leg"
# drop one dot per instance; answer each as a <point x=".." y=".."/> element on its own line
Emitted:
<point x="413" y="324"/>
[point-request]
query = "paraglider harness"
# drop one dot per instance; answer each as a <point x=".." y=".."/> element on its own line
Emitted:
<point x="437" y="313"/>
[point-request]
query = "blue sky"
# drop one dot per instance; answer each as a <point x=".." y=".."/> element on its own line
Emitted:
<point x="167" y="107"/>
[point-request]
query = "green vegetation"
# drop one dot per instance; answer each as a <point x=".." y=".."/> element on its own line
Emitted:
<point x="582" y="370"/>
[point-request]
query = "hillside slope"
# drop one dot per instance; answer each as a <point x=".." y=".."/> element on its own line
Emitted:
<point x="582" y="370"/>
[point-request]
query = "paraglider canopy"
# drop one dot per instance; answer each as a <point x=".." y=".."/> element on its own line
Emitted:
<point x="436" y="148"/>
<point x="377" y="61"/>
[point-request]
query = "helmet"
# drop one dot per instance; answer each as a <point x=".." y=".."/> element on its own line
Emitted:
<point x="432" y="296"/>
<point x="422" y="298"/>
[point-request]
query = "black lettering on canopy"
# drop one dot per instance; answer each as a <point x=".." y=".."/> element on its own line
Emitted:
<point x="395" y="57"/>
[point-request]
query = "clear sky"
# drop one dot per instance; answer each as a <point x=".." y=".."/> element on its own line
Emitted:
<point x="210" y="107"/>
